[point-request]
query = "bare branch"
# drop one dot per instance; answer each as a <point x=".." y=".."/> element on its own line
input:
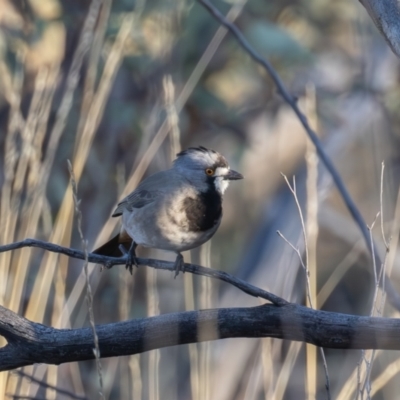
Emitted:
<point x="109" y="262"/>
<point x="393" y="296"/>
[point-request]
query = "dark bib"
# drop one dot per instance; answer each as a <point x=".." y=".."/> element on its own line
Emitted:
<point x="204" y="211"/>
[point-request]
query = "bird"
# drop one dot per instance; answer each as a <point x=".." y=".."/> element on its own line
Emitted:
<point x="175" y="210"/>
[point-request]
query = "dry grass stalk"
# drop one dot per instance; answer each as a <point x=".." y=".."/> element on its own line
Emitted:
<point x="89" y="294"/>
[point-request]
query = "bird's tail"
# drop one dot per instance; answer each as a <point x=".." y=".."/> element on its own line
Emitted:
<point x="111" y="248"/>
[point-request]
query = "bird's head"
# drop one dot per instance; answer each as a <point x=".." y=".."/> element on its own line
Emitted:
<point x="204" y="167"/>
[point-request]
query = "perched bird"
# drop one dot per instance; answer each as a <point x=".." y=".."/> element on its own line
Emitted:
<point x="177" y="209"/>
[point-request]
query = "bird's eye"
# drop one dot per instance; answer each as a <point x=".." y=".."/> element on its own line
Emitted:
<point x="209" y="172"/>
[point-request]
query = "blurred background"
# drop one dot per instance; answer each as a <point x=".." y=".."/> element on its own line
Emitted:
<point x="119" y="87"/>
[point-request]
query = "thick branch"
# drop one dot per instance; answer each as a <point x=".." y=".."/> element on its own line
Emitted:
<point x="30" y="343"/>
<point x="109" y="262"/>
<point x="386" y="17"/>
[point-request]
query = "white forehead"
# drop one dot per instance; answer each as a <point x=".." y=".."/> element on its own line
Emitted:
<point x="207" y="158"/>
<point x="200" y="157"/>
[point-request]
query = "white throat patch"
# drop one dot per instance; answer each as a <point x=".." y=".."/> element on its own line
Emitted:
<point x="220" y="183"/>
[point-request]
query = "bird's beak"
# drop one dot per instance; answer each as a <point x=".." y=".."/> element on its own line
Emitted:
<point x="233" y="176"/>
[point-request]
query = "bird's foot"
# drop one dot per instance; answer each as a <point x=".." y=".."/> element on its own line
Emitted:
<point x="179" y="264"/>
<point x="131" y="258"/>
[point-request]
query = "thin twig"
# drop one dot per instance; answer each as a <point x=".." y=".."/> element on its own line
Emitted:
<point x="373" y="259"/>
<point x="378" y="279"/>
<point x="43" y="384"/>
<point x="387" y="243"/>
<point x="294" y="248"/>
<point x="291" y="101"/>
<point x="359" y="365"/>
<point x="109" y="262"/>
<point x="89" y="295"/>
<point x="381" y="206"/>
<point x="307" y="272"/>
<point x="303" y="230"/>
<point x="297" y="251"/>
<point x="364" y="360"/>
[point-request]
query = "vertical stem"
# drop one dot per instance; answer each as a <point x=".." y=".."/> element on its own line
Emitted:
<point x="312" y="236"/>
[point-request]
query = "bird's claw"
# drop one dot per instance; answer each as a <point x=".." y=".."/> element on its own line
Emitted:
<point x="131" y="260"/>
<point x="179" y="265"/>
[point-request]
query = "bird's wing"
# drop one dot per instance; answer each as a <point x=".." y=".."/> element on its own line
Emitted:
<point x="147" y="192"/>
<point x="137" y="199"/>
